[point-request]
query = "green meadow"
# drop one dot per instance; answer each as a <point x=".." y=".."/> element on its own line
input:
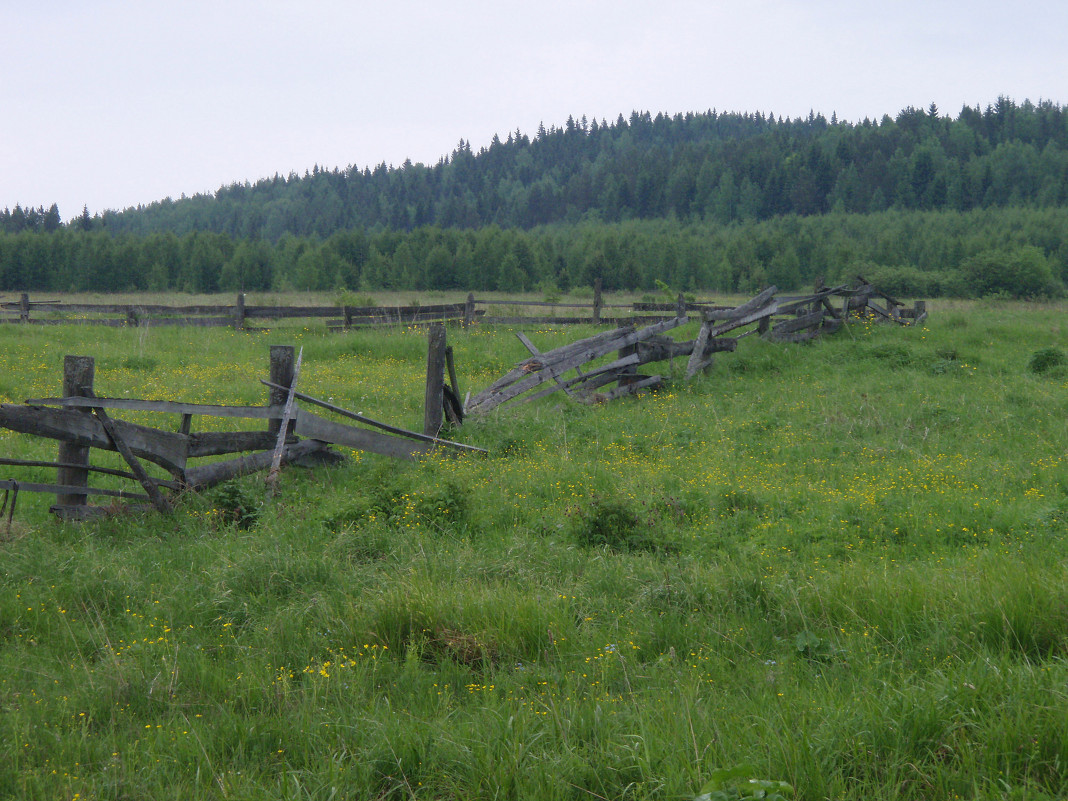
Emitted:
<point x="842" y="564"/>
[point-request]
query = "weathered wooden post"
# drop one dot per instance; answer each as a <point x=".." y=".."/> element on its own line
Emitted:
<point x="435" y="378"/>
<point x="24" y="308"/>
<point x="78" y="374"/>
<point x="680" y="306"/>
<point x="598" y="303"/>
<point x="921" y="312"/>
<point x="282" y="360"/>
<point x="348" y="317"/>
<point x="239" y="312"/>
<point x="469" y="310"/>
<point x="628" y="374"/>
<point x="131" y="317"/>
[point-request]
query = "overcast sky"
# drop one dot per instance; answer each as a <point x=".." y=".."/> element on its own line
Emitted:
<point x="111" y="103"/>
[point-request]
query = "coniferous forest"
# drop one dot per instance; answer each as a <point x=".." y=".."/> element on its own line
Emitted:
<point x="924" y="203"/>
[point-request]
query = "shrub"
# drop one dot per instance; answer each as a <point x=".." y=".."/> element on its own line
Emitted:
<point x="1021" y="273"/>
<point x="235" y="503"/>
<point x="1046" y="359"/>
<point x="615" y="523"/>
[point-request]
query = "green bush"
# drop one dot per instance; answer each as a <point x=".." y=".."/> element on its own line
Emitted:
<point x="236" y="503"/>
<point x="612" y="522"/>
<point x="1046" y="359"/>
<point x="1021" y="273"/>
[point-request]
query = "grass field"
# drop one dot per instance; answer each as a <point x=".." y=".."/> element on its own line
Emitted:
<point x="843" y="564"/>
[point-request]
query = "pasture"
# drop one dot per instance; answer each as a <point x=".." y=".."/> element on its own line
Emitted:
<point x="842" y="563"/>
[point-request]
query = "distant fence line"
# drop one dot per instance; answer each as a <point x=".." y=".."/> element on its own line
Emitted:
<point x="243" y="316"/>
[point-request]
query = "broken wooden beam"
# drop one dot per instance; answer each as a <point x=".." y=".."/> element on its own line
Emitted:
<point x="283" y="426"/>
<point x="162" y="504"/>
<point x="169" y="451"/>
<point x="319" y="428"/>
<point x="401" y="432"/>
<point x="561" y="360"/>
<point x="209" y="475"/>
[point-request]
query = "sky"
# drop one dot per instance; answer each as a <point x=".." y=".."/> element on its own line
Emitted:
<point x="114" y="103"/>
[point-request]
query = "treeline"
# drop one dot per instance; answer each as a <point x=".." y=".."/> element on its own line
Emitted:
<point x="1020" y="252"/>
<point x="707" y="167"/>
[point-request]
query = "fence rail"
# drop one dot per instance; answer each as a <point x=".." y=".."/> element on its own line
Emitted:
<point x="241" y="315"/>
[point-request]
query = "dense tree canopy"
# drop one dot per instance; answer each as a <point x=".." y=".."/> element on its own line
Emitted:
<point x="933" y="204"/>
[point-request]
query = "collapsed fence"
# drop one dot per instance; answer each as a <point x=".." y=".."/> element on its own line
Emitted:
<point x="777" y="319"/>
<point x="81" y="421"/>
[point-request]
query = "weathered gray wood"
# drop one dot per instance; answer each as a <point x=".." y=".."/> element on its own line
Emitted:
<point x="79" y="513"/>
<point x="536" y="363"/>
<point x="538" y="303"/>
<point x="146" y="481"/>
<point x="757" y="303"/>
<point x="795" y="337"/>
<point x="613" y="369"/>
<point x="575" y="357"/>
<point x="239" y="312"/>
<point x="794" y="305"/>
<point x="920" y="311"/>
<point x="204" y="476"/>
<point x="761" y="307"/>
<point x="78" y="374"/>
<point x="535" y="352"/>
<point x="145" y="309"/>
<point x="697" y="358"/>
<point x="434" y="397"/>
<point x="169" y="451"/>
<point x="170" y="407"/>
<point x="68" y="490"/>
<point x="283" y="427"/>
<point x="598" y="301"/>
<point x="625" y="389"/>
<point x="219" y="443"/>
<point x="450" y="364"/>
<point x="107" y="471"/>
<point x="402" y="432"/>
<point x="469" y="310"/>
<point x="24" y="308"/>
<point x="281" y="375"/>
<point x="318" y="428"/>
<point x="810" y="320"/>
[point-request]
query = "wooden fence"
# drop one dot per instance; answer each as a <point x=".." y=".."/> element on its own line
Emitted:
<point x="243" y="316"/>
<point x="773" y="317"/>
<point x="81" y="421"/>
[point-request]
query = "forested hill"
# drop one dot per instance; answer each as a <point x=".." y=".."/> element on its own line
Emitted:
<point x="711" y="167"/>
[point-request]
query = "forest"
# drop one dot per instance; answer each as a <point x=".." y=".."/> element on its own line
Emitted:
<point x="927" y="203"/>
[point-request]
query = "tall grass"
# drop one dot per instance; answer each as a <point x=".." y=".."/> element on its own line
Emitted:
<point x="843" y="563"/>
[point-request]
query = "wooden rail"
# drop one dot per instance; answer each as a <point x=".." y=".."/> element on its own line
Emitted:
<point x="79" y="420"/>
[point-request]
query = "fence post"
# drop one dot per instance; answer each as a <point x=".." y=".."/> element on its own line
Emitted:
<point x="282" y="361"/>
<point x="131" y="317"/>
<point x="629" y="374"/>
<point x="598" y="303"/>
<point x="921" y="312"/>
<point x="469" y="309"/>
<point x="78" y="373"/>
<point x="24" y="308"/>
<point x="680" y="306"/>
<point x="435" y="378"/>
<point x="239" y="312"/>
